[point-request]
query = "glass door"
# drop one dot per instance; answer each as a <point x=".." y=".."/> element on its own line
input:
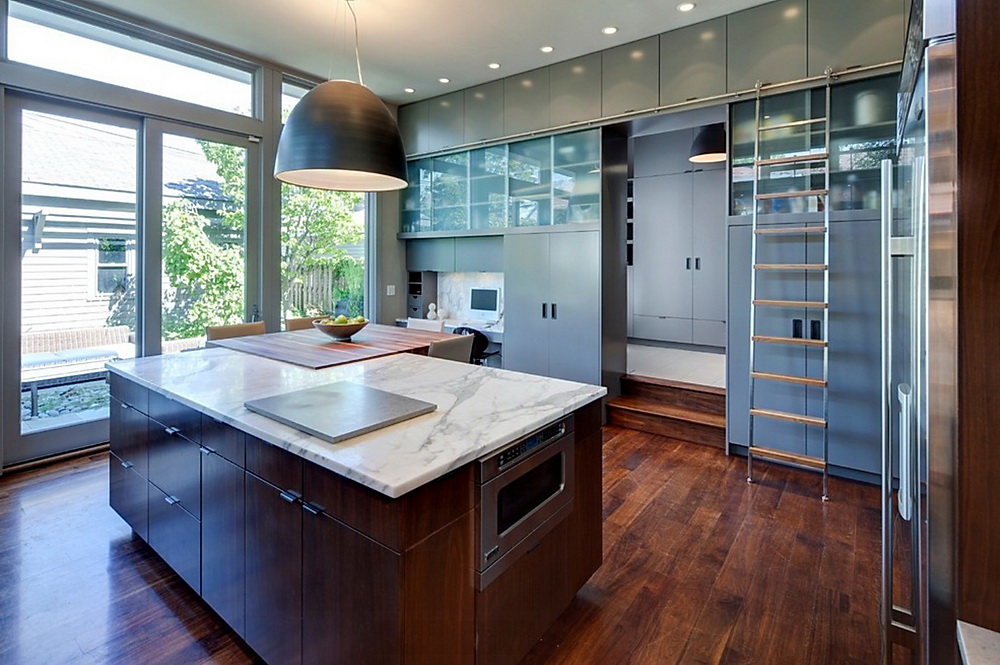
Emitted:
<point x="206" y="266"/>
<point x="70" y="255"/>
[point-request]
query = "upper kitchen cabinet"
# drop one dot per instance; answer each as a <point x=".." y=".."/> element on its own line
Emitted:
<point x="414" y="127"/>
<point x="853" y="33"/>
<point x="766" y="43"/>
<point x="484" y="112"/>
<point x="575" y="90"/>
<point x="437" y="197"/>
<point x="576" y="178"/>
<point x="446" y="121"/>
<point x="630" y="77"/>
<point x="693" y="62"/>
<point x="526" y="102"/>
<point x="664" y="153"/>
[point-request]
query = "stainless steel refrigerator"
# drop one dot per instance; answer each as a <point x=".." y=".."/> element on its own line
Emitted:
<point x="919" y="324"/>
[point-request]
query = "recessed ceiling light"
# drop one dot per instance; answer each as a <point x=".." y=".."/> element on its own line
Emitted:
<point x="410" y="90"/>
<point x="494" y="65"/>
<point x="444" y="80"/>
<point x="610" y="30"/>
<point x="685" y="6"/>
<point x="546" y="49"/>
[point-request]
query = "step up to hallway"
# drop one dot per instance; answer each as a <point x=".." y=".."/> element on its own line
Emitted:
<point x="685" y="411"/>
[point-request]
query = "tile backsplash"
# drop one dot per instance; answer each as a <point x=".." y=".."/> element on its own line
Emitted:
<point x="454" y="287"/>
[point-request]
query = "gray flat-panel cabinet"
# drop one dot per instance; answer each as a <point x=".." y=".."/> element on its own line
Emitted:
<point x="575" y="90"/>
<point x="663" y="153"/>
<point x="852" y="33"/>
<point x="693" y="62"/>
<point x="766" y="43"/>
<point x="708" y="298"/>
<point x="446" y="121"/>
<point x="526" y="101"/>
<point x="552" y="310"/>
<point x="484" y="112"/>
<point x="854" y="338"/>
<point x="630" y="79"/>
<point x="483" y="254"/>
<point x="414" y="127"/>
<point x="431" y="254"/>
<point x="662" y="238"/>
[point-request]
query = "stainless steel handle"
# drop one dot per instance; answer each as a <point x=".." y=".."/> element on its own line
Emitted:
<point x="545" y="310"/>
<point x="171" y="431"/>
<point x="205" y="451"/>
<point x="687" y="263"/>
<point x="905" y="501"/>
<point x="311" y="508"/>
<point x="171" y="500"/>
<point x="289" y="496"/>
<point x="697" y="263"/>
<point x="554" y="311"/>
<point x="127" y="465"/>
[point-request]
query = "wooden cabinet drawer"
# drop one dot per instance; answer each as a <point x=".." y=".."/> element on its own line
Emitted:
<point x="223" y="440"/>
<point x="175" y="534"/>
<point x="128" y="430"/>
<point x="128" y="495"/>
<point x="129" y="392"/>
<point x="175" y="415"/>
<point x="278" y="467"/>
<point x="175" y="466"/>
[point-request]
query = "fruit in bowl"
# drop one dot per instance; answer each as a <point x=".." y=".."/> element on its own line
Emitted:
<point x="340" y="327"/>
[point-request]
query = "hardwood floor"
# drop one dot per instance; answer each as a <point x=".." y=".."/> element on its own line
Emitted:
<point x="699" y="568"/>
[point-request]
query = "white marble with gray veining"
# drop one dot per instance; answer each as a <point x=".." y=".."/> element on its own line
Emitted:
<point x="979" y="646"/>
<point x="479" y="409"/>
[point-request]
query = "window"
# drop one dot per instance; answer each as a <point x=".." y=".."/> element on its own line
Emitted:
<point x="71" y="46"/>
<point x="112" y="271"/>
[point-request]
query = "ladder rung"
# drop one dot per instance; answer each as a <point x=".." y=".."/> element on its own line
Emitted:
<point x="788" y="378"/>
<point x="793" y="159"/>
<point x="791" y="458"/>
<point x="797" y="341"/>
<point x="790" y="417"/>
<point x="789" y="266"/>
<point x="790" y="195"/>
<point x="810" y="304"/>
<point x="796" y="123"/>
<point x="790" y="229"/>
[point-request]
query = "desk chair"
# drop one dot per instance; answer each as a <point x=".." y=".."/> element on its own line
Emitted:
<point x="301" y="323"/>
<point x="236" y="330"/>
<point x="480" y="342"/>
<point x="457" y="347"/>
<point x="425" y="324"/>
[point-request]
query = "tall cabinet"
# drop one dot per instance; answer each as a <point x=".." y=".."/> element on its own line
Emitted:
<point x="552" y="307"/>
<point x="679" y="238"/>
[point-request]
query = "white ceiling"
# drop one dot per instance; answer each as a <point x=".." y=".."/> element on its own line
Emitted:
<point x="411" y="44"/>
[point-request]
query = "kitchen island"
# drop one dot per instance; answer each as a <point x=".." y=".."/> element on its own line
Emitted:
<point x="365" y="551"/>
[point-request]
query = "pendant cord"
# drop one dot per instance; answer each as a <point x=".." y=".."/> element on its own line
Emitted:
<point x="357" y="50"/>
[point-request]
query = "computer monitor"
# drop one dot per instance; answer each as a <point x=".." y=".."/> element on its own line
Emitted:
<point x="484" y="304"/>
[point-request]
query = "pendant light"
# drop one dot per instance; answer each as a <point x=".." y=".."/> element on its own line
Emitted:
<point x="709" y="145"/>
<point x="341" y="136"/>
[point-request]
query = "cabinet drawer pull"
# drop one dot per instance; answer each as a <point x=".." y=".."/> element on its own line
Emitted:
<point x="171" y="500"/>
<point x="171" y="431"/>
<point x="289" y="496"/>
<point x="125" y="407"/>
<point x="205" y="450"/>
<point x="127" y="465"/>
<point x="311" y="508"/>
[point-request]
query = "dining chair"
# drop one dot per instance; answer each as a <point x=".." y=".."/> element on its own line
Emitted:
<point x="457" y="347"/>
<point x="300" y="323"/>
<point x="425" y="324"/>
<point x="235" y="330"/>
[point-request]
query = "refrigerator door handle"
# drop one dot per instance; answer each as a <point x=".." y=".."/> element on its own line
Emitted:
<point x="905" y="498"/>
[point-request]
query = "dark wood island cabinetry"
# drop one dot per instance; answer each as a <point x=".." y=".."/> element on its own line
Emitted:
<point x="308" y="566"/>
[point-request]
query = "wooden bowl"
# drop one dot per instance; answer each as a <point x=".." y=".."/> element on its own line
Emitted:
<point x="339" y="331"/>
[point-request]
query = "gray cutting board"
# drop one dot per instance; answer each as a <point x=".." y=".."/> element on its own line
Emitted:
<point x="338" y="411"/>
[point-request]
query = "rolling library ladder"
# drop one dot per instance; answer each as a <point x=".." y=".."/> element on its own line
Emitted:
<point x="812" y="159"/>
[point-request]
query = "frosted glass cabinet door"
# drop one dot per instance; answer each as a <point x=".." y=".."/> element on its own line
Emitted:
<point x="414" y="128"/>
<point x="693" y="62"/>
<point x="852" y="33"/>
<point x="630" y="79"/>
<point x="766" y="43"/>
<point x="484" y="112"/>
<point x="526" y="101"/>
<point x="575" y="90"/>
<point x="446" y="121"/>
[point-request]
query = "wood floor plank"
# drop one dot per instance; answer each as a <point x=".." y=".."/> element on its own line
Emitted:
<point x="699" y="567"/>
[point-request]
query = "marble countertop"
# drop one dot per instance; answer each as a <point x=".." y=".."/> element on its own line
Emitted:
<point x="479" y="409"/>
<point x="978" y="645"/>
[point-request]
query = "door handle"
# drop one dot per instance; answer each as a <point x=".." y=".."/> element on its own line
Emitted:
<point x="289" y="495"/>
<point x="905" y="497"/>
<point x="554" y="311"/>
<point x="697" y="263"/>
<point x="545" y="310"/>
<point x="687" y="263"/>
<point x="171" y="431"/>
<point x="171" y="500"/>
<point x="815" y="329"/>
<point x="797" y="328"/>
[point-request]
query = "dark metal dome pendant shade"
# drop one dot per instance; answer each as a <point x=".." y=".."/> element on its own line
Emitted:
<point x="341" y="136"/>
<point x="709" y="145"/>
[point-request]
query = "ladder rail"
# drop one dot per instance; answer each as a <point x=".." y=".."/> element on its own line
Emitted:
<point x="753" y="276"/>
